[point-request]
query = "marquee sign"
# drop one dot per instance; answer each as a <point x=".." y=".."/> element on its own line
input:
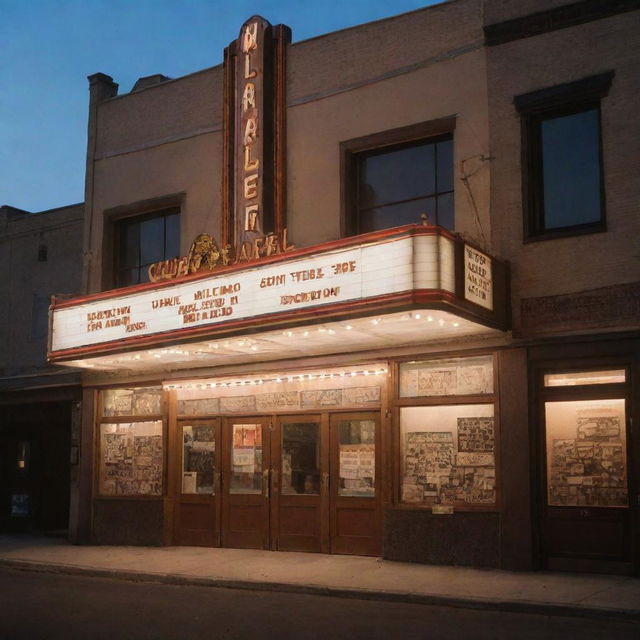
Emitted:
<point x="407" y="266"/>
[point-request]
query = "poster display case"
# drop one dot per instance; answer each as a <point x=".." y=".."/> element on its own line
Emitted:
<point x="448" y="455"/>
<point x="586" y="453"/>
<point x="447" y="433"/>
<point x="131" y="459"/>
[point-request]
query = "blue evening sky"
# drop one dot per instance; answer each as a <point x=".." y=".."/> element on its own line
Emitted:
<point x="49" y="47"/>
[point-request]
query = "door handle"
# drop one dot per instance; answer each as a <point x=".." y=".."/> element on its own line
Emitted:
<point x="275" y="477"/>
<point x="265" y="483"/>
<point x="217" y="482"/>
<point x="325" y="481"/>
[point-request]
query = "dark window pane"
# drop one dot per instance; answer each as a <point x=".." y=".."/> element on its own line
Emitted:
<point x="444" y="155"/>
<point x="398" y="175"/>
<point x="143" y="241"/>
<point x="127" y="277"/>
<point x="152" y="240"/>
<point x="571" y="169"/>
<point x="172" y="236"/>
<point x="144" y="273"/>
<point x="129" y="252"/>
<point x="445" y="211"/>
<point x="395" y="215"/>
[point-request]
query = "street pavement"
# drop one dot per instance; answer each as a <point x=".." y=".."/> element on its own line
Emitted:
<point x="564" y="594"/>
<point x="49" y="606"/>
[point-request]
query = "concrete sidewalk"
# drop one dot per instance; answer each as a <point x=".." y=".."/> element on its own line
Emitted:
<point x="343" y="576"/>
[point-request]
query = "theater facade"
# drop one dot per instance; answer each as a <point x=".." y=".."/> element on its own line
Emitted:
<point x="326" y="310"/>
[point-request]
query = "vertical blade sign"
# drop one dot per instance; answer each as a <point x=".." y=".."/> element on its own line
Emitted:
<point x="254" y="133"/>
<point x="254" y="137"/>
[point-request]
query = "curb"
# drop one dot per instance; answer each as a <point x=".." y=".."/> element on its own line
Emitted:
<point x="469" y="602"/>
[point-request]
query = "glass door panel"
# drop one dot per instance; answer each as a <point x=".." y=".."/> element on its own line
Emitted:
<point x="197" y="487"/>
<point x="357" y="455"/>
<point x="198" y="459"/>
<point x="355" y="505"/>
<point x="245" y="497"/>
<point x="299" y="500"/>
<point x="246" y="459"/>
<point x="300" y="458"/>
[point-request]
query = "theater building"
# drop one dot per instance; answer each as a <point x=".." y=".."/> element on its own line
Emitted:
<point x="376" y="292"/>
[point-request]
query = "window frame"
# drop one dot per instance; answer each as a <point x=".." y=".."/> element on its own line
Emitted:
<point x="131" y="220"/>
<point x="113" y="216"/>
<point x="101" y="418"/>
<point x="399" y="402"/>
<point x="582" y="392"/>
<point x="372" y="144"/>
<point x="545" y="104"/>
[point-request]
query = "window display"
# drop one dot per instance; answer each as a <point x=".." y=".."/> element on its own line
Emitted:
<point x="450" y="377"/>
<point x="198" y="459"/>
<point x="586" y="453"/>
<point x="448" y="454"/>
<point x="131" y="459"/>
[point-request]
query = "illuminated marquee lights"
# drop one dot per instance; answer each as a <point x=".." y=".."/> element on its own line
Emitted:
<point x="277" y="379"/>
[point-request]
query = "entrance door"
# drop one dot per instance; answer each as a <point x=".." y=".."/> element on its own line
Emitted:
<point x="586" y="517"/>
<point x="197" y="505"/>
<point x="295" y="483"/>
<point x="355" y="500"/>
<point x="299" y="496"/>
<point x="246" y="465"/>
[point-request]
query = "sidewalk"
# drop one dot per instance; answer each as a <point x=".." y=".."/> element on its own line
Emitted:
<point x="342" y="576"/>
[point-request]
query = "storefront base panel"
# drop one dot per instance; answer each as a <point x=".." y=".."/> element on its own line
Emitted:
<point x="467" y="539"/>
<point x="128" y="522"/>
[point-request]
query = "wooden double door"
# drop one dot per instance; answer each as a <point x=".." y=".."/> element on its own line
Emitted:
<point x="289" y="483"/>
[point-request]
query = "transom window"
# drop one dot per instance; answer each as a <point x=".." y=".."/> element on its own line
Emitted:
<point x="143" y="240"/>
<point x="396" y="185"/>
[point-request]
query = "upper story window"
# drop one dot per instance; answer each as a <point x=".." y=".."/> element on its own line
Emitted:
<point x="563" y="180"/>
<point x="143" y="240"/>
<point x="395" y="177"/>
